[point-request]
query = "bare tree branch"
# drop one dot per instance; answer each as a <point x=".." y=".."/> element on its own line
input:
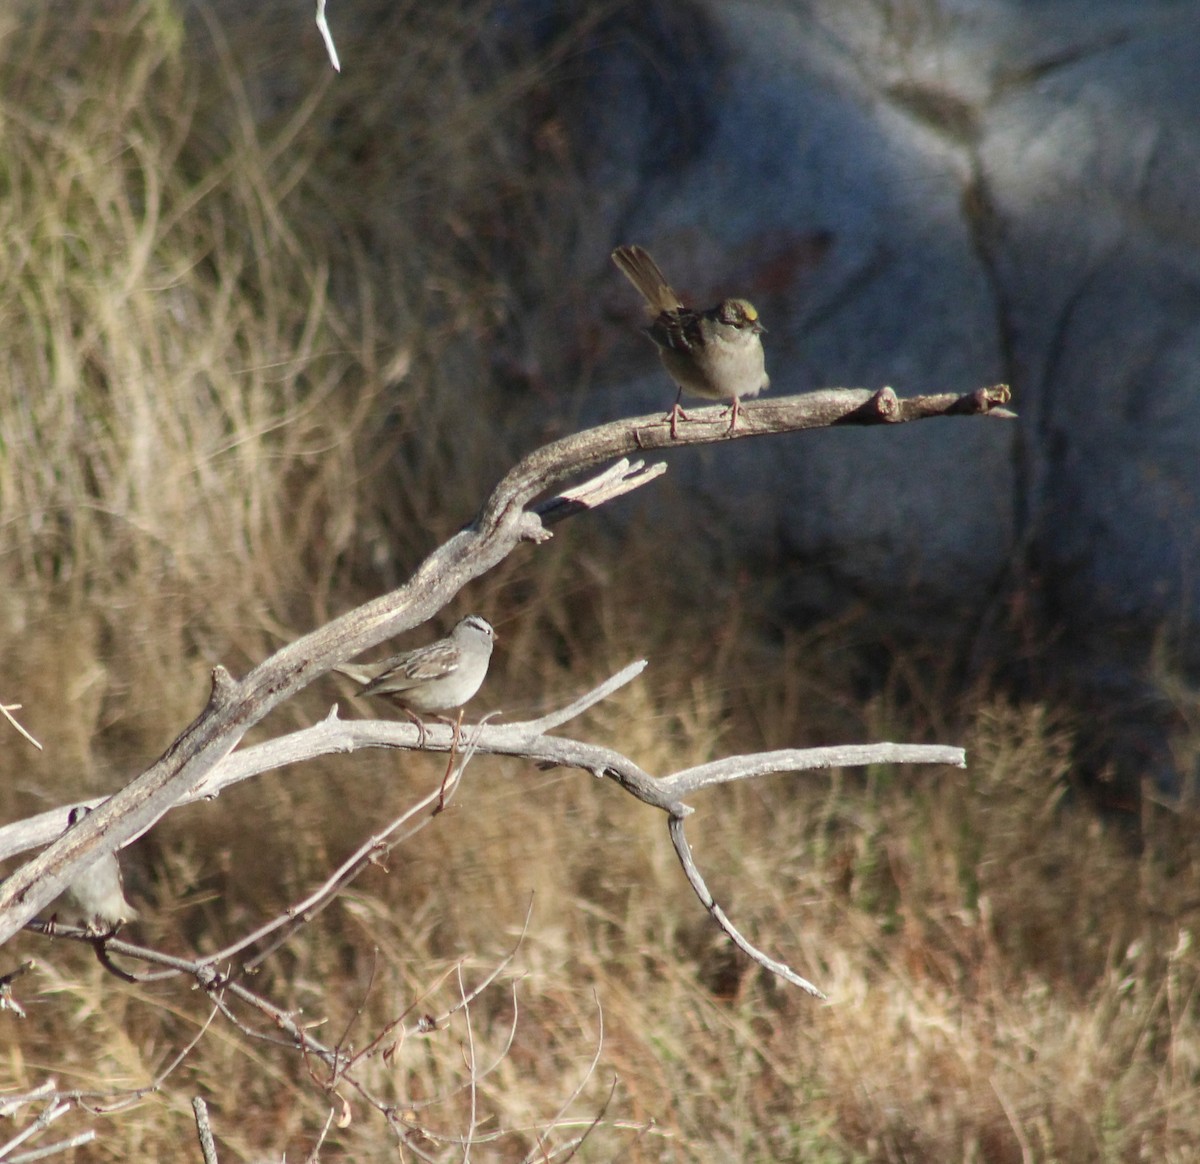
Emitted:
<point x="684" y="852"/>
<point x="12" y="1103"/>
<point x="329" y="736"/>
<point x="524" y="740"/>
<point x="506" y="519"/>
<point x="51" y="1149"/>
<point x="528" y="741"/>
<point x="54" y="1110"/>
<point x="733" y="768"/>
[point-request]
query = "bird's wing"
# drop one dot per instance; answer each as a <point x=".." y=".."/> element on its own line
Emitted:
<point x="413" y="668"/>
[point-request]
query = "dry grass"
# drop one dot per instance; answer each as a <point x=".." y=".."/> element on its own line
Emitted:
<point x="223" y="417"/>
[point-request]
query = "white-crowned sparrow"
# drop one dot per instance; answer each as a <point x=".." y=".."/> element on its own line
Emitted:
<point x="717" y="354"/>
<point x="95" y="900"/>
<point x="435" y="678"/>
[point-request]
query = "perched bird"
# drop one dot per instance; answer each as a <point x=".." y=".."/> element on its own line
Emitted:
<point x="95" y="900"/>
<point x="435" y="678"/>
<point x="717" y="354"/>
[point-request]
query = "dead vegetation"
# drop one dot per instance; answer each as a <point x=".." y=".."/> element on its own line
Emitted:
<point x="224" y="417"/>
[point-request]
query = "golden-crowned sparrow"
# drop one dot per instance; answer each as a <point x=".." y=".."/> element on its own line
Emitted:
<point x="717" y="354"/>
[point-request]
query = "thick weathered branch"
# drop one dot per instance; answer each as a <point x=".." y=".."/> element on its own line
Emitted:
<point x="331" y="735"/>
<point x="525" y="740"/>
<point x="507" y="519"/>
<point x="528" y="741"/>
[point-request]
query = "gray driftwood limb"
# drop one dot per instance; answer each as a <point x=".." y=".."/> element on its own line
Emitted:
<point x="529" y="741"/>
<point x="509" y="517"/>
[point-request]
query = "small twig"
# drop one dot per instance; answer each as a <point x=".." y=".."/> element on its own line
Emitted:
<point x="12" y="1103"/>
<point x="54" y="1110"/>
<point x="52" y="1149"/>
<point x="315" y="1155"/>
<point x="340" y="1044"/>
<point x="428" y="1023"/>
<point x="368" y="853"/>
<point x="474" y="1076"/>
<point x="583" y="1083"/>
<point x="327" y="37"/>
<point x="113" y="1102"/>
<point x="6" y="709"/>
<point x="208" y="1149"/>
<point x="473" y="1088"/>
<point x="496" y="970"/>
<point x="165" y="1073"/>
<point x="1028" y="1156"/>
<point x="100" y="949"/>
<point x="684" y="852"/>
<point x="454" y="742"/>
<point x="579" y="1143"/>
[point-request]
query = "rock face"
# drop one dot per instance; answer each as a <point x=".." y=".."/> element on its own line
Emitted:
<point x="938" y="197"/>
<point x="934" y="196"/>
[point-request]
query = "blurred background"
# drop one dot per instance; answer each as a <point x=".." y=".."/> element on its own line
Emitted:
<point x="274" y="332"/>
